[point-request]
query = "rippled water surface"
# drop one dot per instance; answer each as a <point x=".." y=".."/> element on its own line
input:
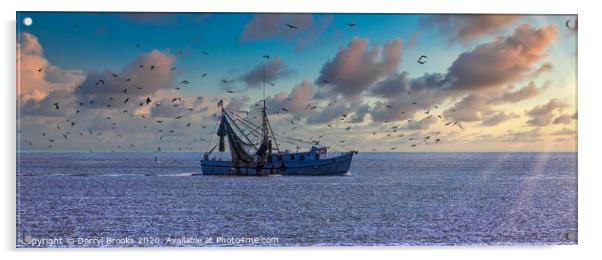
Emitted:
<point x="388" y="199"/>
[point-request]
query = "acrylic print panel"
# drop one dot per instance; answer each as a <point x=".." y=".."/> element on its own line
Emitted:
<point x="257" y="129"/>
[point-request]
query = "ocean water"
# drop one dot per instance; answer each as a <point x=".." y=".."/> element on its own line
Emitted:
<point x="128" y="199"/>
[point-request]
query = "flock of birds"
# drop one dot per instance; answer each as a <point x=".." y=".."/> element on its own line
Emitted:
<point x="387" y="130"/>
<point x="71" y="126"/>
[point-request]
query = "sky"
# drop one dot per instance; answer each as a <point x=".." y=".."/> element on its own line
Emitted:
<point x="152" y="81"/>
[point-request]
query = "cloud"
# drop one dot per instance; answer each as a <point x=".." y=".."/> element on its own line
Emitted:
<point x="139" y="81"/>
<point x="564" y="131"/>
<point x="529" y="136"/>
<point x="471" y="108"/>
<point x="356" y="67"/>
<point x="274" y="70"/>
<point x="330" y="113"/>
<point x="527" y="92"/>
<point x="45" y="106"/>
<point x="468" y="28"/>
<point x="238" y="103"/>
<point x="264" y="26"/>
<point x="423" y="124"/>
<point x="480" y="89"/>
<point x="563" y="119"/>
<point x="498" y="118"/>
<point x="542" y="115"/>
<point x="166" y="108"/>
<point x="502" y="61"/>
<point x="36" y="76"/>
<point x="163" y="19"/>
<point x="294" y="102"/>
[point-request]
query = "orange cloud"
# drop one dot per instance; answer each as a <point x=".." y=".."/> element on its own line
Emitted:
<point x="36" y="77"/>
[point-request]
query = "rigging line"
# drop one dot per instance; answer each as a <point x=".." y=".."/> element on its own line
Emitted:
<point x="234" y="123"/>
<point x="255" y="134"/>
<point x="250" y="124"/>
<point x="314" y="133"/>
<point x="272" y="132"/>
<point x="214" y="131"/>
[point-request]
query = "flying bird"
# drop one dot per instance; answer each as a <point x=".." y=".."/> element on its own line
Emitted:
<point x="351" y="24"/>
<point x="266" y="56"/>
<point x="204" y="75"/>
<point x="290" y="26"/>
<point x="99" y="82"/>
<point x="230" y="91"/>
<point x="148" y="100"/>
<point x="422" y="59"/>
<point x="56" y="105"/>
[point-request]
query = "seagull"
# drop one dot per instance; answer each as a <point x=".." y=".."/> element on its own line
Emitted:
<point x="205" y="53"/>
<point x="351" y="24"/>
<point x="230" y="91"/>
<point x="99" y="81"/>
<point x="126" y="100"/>
<point x="292" y="26"/>
<point x="56" y="105"/>
<point x="266" y="56"/>
<point x="152" y="67"/>
<point x="125" y="91"/>
<point x="114" y="75"/>
<point x="148" y="100"/>
<point x="420" y="60"/>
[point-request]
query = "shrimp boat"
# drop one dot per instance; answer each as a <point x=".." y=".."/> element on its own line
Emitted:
<point x="254" y="150"/>
<point x="264" y="158"/>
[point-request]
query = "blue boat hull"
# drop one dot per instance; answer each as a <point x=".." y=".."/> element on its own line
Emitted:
<point x="338" y="165"/>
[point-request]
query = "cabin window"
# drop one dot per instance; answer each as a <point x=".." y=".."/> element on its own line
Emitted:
<point x="292" y="157"/>
<point x="302" y="158"/>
